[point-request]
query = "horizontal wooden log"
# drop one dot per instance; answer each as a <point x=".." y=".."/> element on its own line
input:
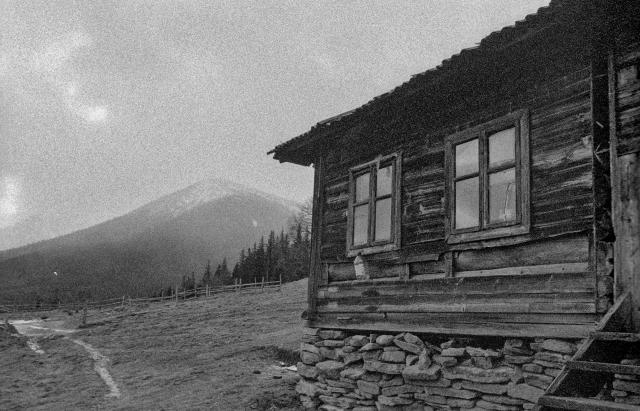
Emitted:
<point x="542" y="283"/>
<point x="507" y="307"/>
<point x="526" y="270"/>
<point x="550" y="251"/>
<point x="394" y="323"/>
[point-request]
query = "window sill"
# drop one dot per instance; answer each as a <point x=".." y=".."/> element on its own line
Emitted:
<point x="382" y="248"/>
<point x="454" y="238"/>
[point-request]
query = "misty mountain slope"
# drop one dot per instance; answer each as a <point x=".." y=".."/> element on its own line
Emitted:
<point x="149" y="248"/>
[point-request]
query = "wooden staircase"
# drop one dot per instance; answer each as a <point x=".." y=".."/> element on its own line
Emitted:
<point x="583" y="383"/>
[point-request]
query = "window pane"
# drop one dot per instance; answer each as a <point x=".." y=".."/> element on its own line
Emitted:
<point x="502" y="196"/>
<point x="360" y="224"/>
<point x="383" y="220"/>
<point x="502" y="147"/>
<point x="467" y="158"/>
<point x="362" y="187"/>
<point x="384" y="181"/>
<point x="467" y="203"/>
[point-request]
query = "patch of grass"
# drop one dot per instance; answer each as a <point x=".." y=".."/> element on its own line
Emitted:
<point x="287" y="356"/>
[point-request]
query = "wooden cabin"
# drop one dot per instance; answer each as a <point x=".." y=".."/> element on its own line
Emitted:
<point x="476" y="197"/>
<point x="496" y="195"/>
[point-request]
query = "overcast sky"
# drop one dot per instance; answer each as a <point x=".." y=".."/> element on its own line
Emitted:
<point x="107" y="105"/>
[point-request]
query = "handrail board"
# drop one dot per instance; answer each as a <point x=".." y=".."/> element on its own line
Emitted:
<point x="603" y="367"/>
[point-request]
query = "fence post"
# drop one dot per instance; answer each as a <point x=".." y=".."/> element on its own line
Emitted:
<point x="262" y="283"/>
<point x="176" y="293"/>
<point x="123" y="301"/>
<point x="280" y="283"/>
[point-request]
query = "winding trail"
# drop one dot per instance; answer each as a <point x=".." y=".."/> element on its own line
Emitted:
<point x="34" y="329"/>
<point x="100" y="366"/>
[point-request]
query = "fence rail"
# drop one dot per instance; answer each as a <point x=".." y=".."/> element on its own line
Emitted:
<point x="128" y="301"/>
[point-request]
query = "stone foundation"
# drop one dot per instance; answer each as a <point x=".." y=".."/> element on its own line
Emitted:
<point x="406" y="372"/>
<point x="626" y="387"/>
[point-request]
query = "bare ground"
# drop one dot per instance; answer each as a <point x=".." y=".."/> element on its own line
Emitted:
<point x="220" y="353"/>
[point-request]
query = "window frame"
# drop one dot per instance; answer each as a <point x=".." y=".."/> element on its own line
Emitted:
<point x="485" y="229"/>
<point x="372" y="167"/>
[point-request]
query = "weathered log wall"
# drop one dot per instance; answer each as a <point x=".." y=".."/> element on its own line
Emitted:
<point x="528" y="284"/>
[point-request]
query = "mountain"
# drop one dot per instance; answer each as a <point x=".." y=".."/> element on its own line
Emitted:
<point x="147" y="249"/>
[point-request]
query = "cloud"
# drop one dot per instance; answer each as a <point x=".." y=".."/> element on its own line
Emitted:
<point x="58" y="53"/>
<point x="93" y="114"/>
<point x="9" y="192"/>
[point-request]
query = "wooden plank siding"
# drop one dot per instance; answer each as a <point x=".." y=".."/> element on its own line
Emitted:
<point x="628" y="99"/>
<point x="530" y="284"/>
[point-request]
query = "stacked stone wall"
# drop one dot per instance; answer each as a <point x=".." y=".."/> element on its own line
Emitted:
<point x="407" y="372"/>
<point x="626" y="387"/>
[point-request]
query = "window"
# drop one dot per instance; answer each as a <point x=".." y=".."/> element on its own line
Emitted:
<point x="488" y="180"/>
<point x="374" y="206"/>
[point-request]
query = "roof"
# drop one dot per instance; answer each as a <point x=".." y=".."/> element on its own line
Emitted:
<point x="300" y="149"/>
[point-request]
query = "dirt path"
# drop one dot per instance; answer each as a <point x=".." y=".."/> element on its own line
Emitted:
<point x="228" y="352"/>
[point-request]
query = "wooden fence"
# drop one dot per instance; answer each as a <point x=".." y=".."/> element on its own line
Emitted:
<point x="128" y="301"/>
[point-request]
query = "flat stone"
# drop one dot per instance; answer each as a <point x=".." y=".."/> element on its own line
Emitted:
<point x="493" y="376"/>
<point x="309" y="348"/>
<point x="340" y="402"/>
<point x="479" y="352"/>
<point x="393" y="401"/>
<point x="358" y="340"/>
<point x="486" y="405"/>
<point x="330" y="334"/>
<point x="332" y="343"/>
<point x="501" y="399"/>
<point x="390" y="381"/>
<point x="552" y="356"/>
<point x="308" y="403"/>
<point x="442" y="382"/>
<point x="309" y="358"/>
<point x="628" y="386"/>
<point x="368" y="387"/>
<point x="393" y="356"/>
<point x="307" y="371"/>
<point x="371" y="355"/>
<point x="308" y="388"/>
<point x="352" y="373"/>
<point x="351" y="358"/>
<point x="328" y="353"/>
<point x="434" y="399"/>
<point x="453" y="352"/>
<point x="517" y="359"/>
<point x="627" y="377"/>
<point x="533" y="368"/>
<point x="459" y="403"/>
<point x="370" y="347"/>
<point x="411" y="359"/>
<point x="616" y="393"/>
<point x="400" y="389"/>
<point x="538" y="380"/>
<point x="348" y="349"/>
<point x="391" y="348"/>
<point x="385" y="339"/>
<point x="364" y="408"/>
<point x="516" y="347"/>
<point x="536" y="346"/>
<point x="445" y="361"/>
<point x="495" y="389"/>
<point x="337" y="390"/>
<point x="341" y="384"/>
<point x="483" y="362"/>
<point x="525" y="392"/>
<point x="451" y="392"/>
<point x="550" y="364"/>
<point x="371" y="376"/>
<point x="330" y="369"/>
<point x="560" y="346"/>
<point x="383" y="367"/>
<point x="412" y="348"/>
<point x="530" y="406"/>
<point x="418" y="372"/>
<point x="412" y="339"/>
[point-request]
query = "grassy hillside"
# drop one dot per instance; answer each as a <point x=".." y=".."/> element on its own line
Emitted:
<point x="221" y="353"/>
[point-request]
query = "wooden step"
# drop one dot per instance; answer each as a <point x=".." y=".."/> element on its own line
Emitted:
<point x="613" y="336"/>
<point x="587" y="404"/>
<point x="603" y="367"/>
